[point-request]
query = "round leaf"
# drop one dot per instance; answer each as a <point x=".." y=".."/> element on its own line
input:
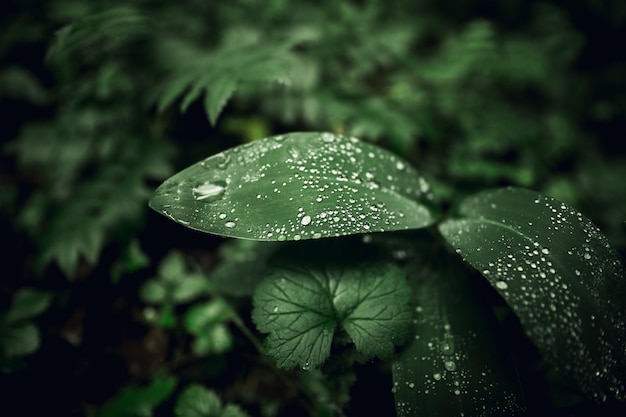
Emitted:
<point x="297" y="186"/>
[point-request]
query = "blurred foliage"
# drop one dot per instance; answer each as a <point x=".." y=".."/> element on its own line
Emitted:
<point x="102" y="99"/>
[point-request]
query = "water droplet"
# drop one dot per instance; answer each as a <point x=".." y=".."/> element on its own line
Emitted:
<point x="222" y="216"/>
<point x="437" y="376"/>
<point x="447" y="347"/>
<point x="457" y="392"/>
<point x="208" y="191"/>
<point x="306" y="220"/>
<point x="502" y="285"/>
<point x="399" y="165"/>
<point x="230" y="225"/>
<point x="546" y="251"/>
<point x="449" y="365"/>
<point x="587" y="255"/>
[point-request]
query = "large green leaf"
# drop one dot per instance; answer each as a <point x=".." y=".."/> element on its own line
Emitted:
<point x="457" y="363"/>
<point x="297" y="186"/>
<point x="558" y="273"/>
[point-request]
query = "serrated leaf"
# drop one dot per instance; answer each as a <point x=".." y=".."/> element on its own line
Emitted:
<point x="139" y="400"/>
<point x="298" y="186"/>
<point x="560" y="276"/>
<point x="197" y="401"/>
<point x="457" y="363"/>
<point x="27" y="303"/>
<point x="217" y="97"/>
<point x="19" y="340"/>
<point x="301" y="306"/>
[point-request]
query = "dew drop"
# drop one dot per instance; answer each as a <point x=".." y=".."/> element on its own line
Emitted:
<point x="437" y="376"/>
<point x="230" y="225"/>
<point x="502" y="285"/>
<point x="587" y="256"/>
<point x="449" y="365"/>
<point x="208" y="192"/>
<point x="306" y="220"/>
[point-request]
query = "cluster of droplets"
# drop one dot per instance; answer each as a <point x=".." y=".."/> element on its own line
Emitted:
<point x="441" y="374"/>
<point x="338" y="186"/>
<point x="550" y="264"/>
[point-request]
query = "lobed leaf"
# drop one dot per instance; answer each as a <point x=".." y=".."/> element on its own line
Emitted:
<point x="301" y="306"/>
<point x="298" y="186"/>
<point x="560" y="276"/>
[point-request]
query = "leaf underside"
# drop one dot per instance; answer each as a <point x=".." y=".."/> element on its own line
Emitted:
<point x="560" y="276"/>
<point x="297" y="186"/>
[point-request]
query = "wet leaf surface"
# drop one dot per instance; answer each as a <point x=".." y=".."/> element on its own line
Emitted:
<point x="456" y="362"/>
<point x="298" y="186"/>
<point x="558" y="273"/>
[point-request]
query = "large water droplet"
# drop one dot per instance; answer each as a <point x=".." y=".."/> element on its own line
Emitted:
<point x="502" y="285"/>
<point x="230" y="225"/>
<point x="306" y="220"/>
<point x="449" y="365"/>
<point x="208" y="191"/>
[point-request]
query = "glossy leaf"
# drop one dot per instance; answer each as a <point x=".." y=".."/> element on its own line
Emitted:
<point x="301" y="306"/>
<point x="297" y="186"/>
<point x="456" y="363"/>
<point x="560" y="276"/>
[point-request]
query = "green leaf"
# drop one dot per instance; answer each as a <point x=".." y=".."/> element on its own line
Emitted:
<point x="560" y="276"/>
<point x="218" y="96"/>
<point x="139" y="400"/>
<point x="216" y="339"/>
<point x="300" y="307"/>
<point x="218" y="73"/>
<point x="197" y="401"/>
<point x="457" y="363"/>
<point x="27" y="303"/>
<point x="19" y="340"/>
<point x="297" y="186"/>
<point x="204" y="315"/>
<point x="242" y="265"/>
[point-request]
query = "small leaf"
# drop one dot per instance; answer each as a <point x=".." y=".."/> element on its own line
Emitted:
<point x="560" y="276"/>
<point x="172" y="267"/>
<point x="301" y="306"/>
<point x="153" y="292"/>
<point x="457" y="363"/>
<point x="19" y="340"/>
<point x="139" y="400"/>
<point x="297" y="186"/>
<point x="215" y="339"/>
<point x="27" y="303"/>
<point x="197" y="401"/>
<point x="204" y="315"/>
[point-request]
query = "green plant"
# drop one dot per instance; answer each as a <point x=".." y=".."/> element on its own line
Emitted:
<point x="554" y="269"/>
<point x="104" y="99"/>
